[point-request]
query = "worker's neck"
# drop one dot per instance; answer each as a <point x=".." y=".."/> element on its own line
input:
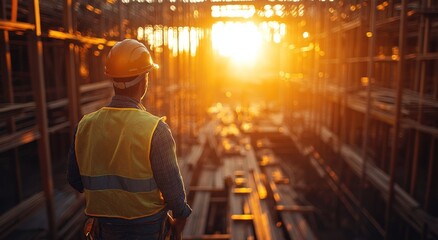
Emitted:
<point x="138" y="96"/>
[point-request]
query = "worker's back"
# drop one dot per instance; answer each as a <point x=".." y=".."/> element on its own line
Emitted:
<point x="112" y="150"/>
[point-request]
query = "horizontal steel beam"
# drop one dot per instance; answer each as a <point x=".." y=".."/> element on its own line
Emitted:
<point x="295" y="208"/>
<point x="75" y="37"/>
<point x="16" y="26"/>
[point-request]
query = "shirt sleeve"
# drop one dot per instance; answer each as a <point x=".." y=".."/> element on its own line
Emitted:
<point x="73" y="174"/>
<point x="166" y="171"/>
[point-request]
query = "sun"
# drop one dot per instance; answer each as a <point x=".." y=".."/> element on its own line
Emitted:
<point x="240" y="41"/>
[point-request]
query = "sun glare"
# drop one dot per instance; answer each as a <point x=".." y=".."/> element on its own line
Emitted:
<point x="240" y="41"/>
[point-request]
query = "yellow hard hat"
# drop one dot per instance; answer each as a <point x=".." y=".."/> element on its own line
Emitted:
<point x="128" y="58"/>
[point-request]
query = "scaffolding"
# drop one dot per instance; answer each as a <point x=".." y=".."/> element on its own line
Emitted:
<point x="52" y="73"/>
<point x="359" y="91"/>
<point x="368" y="100"/>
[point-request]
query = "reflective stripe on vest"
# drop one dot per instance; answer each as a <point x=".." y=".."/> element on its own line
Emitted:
<point x="118" y="182"/>
<point x="112" y="151"/>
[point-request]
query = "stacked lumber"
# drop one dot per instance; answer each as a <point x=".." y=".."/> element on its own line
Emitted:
<point x="290" y="211"/>
<point x="240" y="217"/>
<point x="255" y="170"/>
<point x="240" y="220"/>
<point x="196" y="223"/>
<point x="249" y="215"/>
<point x="264" y="227"/>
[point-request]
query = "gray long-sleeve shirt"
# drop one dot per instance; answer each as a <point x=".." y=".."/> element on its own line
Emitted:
<point x="163" y="162"/>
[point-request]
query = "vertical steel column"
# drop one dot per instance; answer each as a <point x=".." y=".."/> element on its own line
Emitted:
<point x="398" y="105"/>
<point x="184" y="80"/>
<point x="121" y="35"/>
<point x="313" y="114"/>
<point x="72" y="86"/>
<point x="179" y="78"/>
<point x="6" y="66"/>
<point x="366" y="120"/>
<point x="6" y="69"/>
<point x="341" y="72"/>
<point x="323" y="66"/>
<point x="420" y="72"/>
<point x="157" y="58"/>
<point x="165" y="60"/>
<point x="191" y="75"/>
<point x="339" y="107"/>
<point x="14" y="10"/>
<point x="35" y="47"/>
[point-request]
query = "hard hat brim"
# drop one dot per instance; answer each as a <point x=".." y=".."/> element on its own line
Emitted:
<point x="151" y="67"/>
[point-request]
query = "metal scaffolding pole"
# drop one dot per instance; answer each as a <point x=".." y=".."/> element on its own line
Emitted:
<point x="35" y="47"/>
<point x="370" y="75"/>
<point x="398" y="103"/>
<point x="6" y="69"/>
<point x="72" y="85"/>
<point x="6" y="66"/>
<point x="423" y="40"/>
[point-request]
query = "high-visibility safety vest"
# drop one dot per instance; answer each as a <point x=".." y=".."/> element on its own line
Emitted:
<point x="112" y="150"/>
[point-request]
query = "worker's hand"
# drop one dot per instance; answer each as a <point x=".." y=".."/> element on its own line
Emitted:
<point x="178" y="227"/>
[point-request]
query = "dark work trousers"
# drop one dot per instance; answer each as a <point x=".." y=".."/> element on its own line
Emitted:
<point x="140" y="231"/>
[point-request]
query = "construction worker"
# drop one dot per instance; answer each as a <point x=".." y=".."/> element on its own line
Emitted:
<point x="123" y="157"/>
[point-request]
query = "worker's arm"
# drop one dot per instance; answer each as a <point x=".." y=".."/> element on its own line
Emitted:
<point x="73" y="174"/>
<point x="167" y="174"/>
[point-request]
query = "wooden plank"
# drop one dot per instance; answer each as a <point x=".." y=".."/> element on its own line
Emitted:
<point x="238" y="229"/>
<point x="264" y="228"/>
<point x="261" y="189"/>
<point x="195" y="155"/>
<point x="219" y="181"/>
<point x="295" y="208"/>
<point x="290" y="212"/>
<point x="201" y="202"/>
<point x="254" y="169"/>
<point x="242" y="217"/>
<point x="242" y="190"/>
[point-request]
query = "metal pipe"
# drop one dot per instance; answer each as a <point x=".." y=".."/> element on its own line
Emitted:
<point x="72" y="87"/>
<point x="14" y="10"/>
<point x="35" y="48"/>
<point x="120" y="5"/>
<point x="398" y="105"/>
<point x="420" y="73"/>
<point x="6" y="69"/>
<point x="6" y="66"/>
<point x="366" y="121"/>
